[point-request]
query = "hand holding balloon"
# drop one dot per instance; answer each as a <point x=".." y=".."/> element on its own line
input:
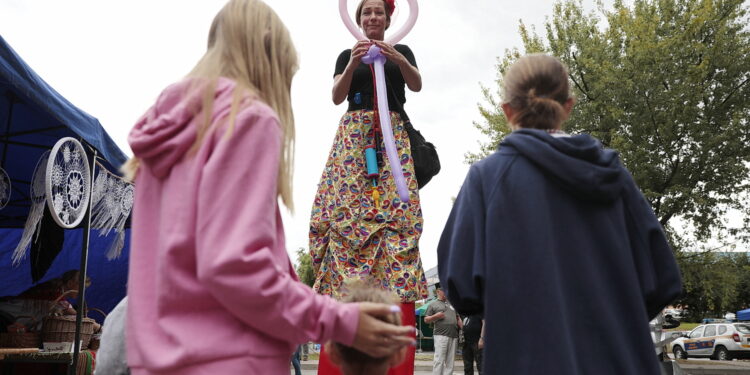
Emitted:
<point x="358" y="51"/>
<point x="391" y="53"/>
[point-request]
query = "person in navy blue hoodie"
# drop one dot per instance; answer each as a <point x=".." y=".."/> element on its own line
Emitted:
<point x="553" y="241"/>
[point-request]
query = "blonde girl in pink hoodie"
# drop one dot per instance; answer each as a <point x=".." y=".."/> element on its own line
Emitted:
<point x="211" y="287"/>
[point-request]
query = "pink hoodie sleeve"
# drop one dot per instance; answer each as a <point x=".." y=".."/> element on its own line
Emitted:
<point x="237" y="245"/>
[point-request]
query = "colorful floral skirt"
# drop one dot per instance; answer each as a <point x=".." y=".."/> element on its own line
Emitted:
<point x="355" y="235"/>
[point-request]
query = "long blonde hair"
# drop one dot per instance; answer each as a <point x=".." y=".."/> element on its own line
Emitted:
<point x="249" y="44"/>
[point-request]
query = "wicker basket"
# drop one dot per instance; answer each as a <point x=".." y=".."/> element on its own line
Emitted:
<point x="96" y="338"/>
<point x="63" y="328"/>
<point x="20" y="340"/>
<point x="24" y="339"/>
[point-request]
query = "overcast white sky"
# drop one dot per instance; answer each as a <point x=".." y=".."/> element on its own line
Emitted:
<point x="112" y="58"/>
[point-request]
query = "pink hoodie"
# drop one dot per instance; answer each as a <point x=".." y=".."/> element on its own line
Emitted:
<point x="211" y="287"/>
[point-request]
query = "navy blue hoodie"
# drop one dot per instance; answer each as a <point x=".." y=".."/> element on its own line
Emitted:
<point x="553" y="241"/>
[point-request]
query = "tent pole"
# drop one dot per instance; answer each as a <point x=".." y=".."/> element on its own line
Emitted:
<point x="81" y="311"/>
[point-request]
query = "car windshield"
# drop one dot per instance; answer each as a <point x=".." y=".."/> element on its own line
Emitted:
<point x="744" y="328"/>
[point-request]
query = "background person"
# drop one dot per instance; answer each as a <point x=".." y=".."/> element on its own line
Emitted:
<point x="558" y="228"/>
<point x="52" y="297"/>
<point x="111" y="357"/>
<point x="358" y="229"/>
<point x="211" y="288"/>
<point x="445" y="333"/>
<point x="472" y="331"/>
<point x="295" y="361"/>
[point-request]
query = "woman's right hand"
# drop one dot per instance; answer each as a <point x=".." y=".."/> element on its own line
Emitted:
<point x="360" y="49"/>
<point x="376" y="337"/>
<point x="341" y="82"/>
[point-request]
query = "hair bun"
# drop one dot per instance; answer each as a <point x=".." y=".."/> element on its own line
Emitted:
<point x="533" y="94"/>
<point x="537" y="87"/>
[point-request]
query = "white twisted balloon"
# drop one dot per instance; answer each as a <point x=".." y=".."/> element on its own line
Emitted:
<point x="375" y="57"/>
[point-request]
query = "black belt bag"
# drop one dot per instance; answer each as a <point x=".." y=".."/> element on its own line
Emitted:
<point x="424" y="154"/>
<point x="426" y="160"/>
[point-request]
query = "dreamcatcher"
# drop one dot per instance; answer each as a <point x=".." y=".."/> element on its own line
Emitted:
<point x="68" y="182"/>
<point x="4" y="188"/>
<point x="38" y="198"/>
<point x="111" y="203"/>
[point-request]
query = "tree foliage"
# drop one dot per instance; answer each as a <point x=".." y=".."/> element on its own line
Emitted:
<point x="667" y="84"/>
<point x="304" y="267"/>
<point x="714" y="283"/>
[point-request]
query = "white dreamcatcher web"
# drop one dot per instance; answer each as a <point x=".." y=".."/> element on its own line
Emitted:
<point x="68" y="182"/>
<point x="111" y="203"/>
<point x="34" y="219"/>
<point x="4" y="188"/>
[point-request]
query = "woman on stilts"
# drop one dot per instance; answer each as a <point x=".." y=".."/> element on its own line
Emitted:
<point x="360" y="229"/>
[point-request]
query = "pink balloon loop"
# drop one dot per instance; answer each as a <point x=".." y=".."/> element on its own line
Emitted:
<point x="393" y="39"/>
<point x="378" y="60"/>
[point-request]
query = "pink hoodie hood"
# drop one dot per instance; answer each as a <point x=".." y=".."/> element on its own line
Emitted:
<point x="163" y="136"/>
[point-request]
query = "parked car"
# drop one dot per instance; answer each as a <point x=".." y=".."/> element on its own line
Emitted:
<point x="721" y="341"/>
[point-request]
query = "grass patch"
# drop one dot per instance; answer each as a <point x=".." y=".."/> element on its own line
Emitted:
<point x="312" y="357"/>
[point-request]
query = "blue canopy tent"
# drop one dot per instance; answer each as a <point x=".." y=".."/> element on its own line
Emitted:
<point x="33" y="117"/>
<point x="743" y="315"/>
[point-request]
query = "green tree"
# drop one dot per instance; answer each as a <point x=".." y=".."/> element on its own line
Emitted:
<point x="666" y="83"/>
<point x="304" y="267"/>
<point x="742" y="296"/>
<point x="711" y="284"/>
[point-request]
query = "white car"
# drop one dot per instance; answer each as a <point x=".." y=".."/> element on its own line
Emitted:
<point x="722" y="341"/>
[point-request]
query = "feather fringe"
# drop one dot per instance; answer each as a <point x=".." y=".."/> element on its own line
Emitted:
<point x="111" y="206"/>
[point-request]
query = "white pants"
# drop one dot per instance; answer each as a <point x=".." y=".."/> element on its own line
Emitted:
<point x="445" y="354"/>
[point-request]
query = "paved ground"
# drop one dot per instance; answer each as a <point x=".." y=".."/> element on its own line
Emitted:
<point x="689" y="367"/>
<point x="315" y="372"/>
<point x="708" y="367"/>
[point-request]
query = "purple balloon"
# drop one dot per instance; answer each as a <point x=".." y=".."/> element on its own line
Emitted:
<point x="373" y="55"/>
<point x="377" y="59"/>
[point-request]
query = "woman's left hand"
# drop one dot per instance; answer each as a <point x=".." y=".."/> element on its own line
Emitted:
<point x="410" y="73"/>
<point x="391" y="53"/>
